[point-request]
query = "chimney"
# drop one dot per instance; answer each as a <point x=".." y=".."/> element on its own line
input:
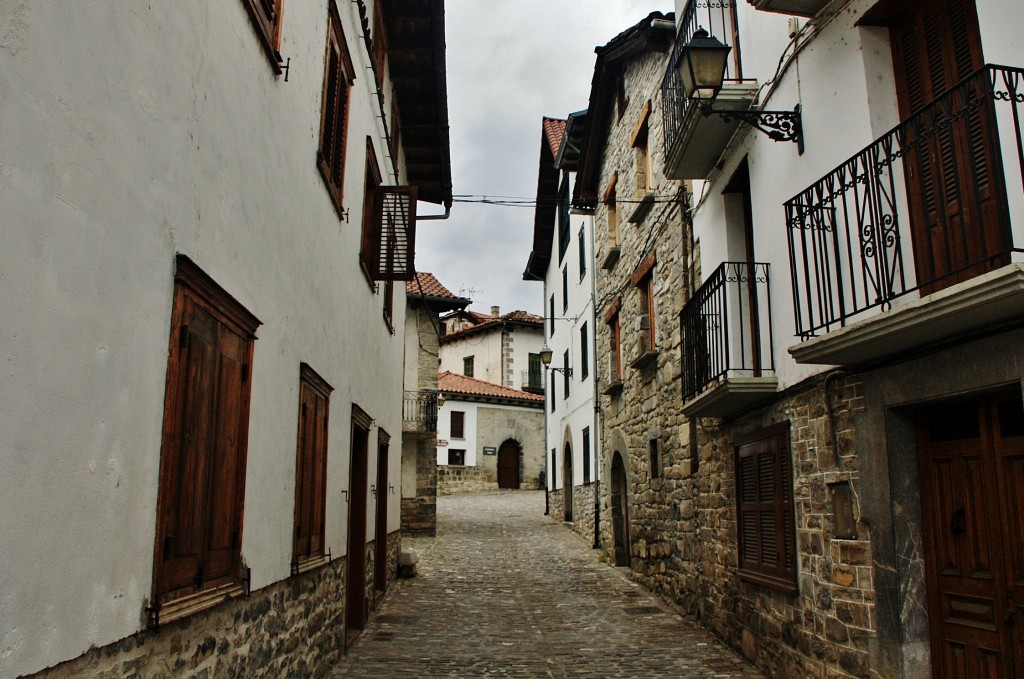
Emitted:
<point x="495" y="311"/>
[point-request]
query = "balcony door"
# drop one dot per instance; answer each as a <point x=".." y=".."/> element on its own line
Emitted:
<point x="953" y="171"/>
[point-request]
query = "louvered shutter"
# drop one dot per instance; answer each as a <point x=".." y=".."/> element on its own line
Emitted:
<point x="458" y="427"/>
<point x="311" y="465"/>
<point x="394" y="234"/>
<point x="266" y="16"/>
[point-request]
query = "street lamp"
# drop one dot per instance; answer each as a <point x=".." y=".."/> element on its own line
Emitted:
<point x="545" y="358"/>
<point x="701" y="66"/>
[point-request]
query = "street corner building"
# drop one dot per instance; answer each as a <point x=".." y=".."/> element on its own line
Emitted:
<point x="807" y="223"/>
<point x="206" y="208"/>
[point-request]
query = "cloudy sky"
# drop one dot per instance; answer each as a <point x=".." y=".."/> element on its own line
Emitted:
<point x="510" y="64"/>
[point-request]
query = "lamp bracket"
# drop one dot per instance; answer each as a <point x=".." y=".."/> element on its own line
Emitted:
<point x="778" y="125"/>
<point x="565" y="371"/>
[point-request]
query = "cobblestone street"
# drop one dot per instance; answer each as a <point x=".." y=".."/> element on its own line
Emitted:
<point x="506" y="591"/>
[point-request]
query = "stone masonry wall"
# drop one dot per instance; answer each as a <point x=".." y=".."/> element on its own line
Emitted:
<point x="419" y="514"/>
<point x="295" y="627"/>
<point x="453" y="479"/>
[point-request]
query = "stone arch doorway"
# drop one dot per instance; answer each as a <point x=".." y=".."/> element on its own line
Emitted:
<point x="510" y="457"/>
<point x="620" y="510"/>
<point x="567" y="481"/>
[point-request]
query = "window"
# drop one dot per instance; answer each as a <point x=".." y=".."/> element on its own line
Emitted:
<point x="554" y="467"/>
<point x="764" y="500"/>
<point x="387" y="241"/>
<point x="611" y="318"/>
<point x="565" y="289"/>
<point x="584" y="353"/>
<point x="467" y="366"/>
<point x="643" y="279"/>
<point x="266" y="19"/>
<point x="655" y="458"/>
<point x="551" y="393"/>
<point x="621" y="100"/>
<point x="456" y="457"/>
<point x="583" y="253"/>
<point x="643" y="172"/>
<point x="551" y="316"/>
<point x="310" y="469"/>
<point x="458" y="425"/>
<point x="565" y="373"/>
<point x="612" y="216"/>
<point x="564" y="237"/>
<point x="203" y="445"/>
<point x="338" y="78"/>
<point x="534" y="375"/>
<point x="371" y="184"/>
<point x="586" y="454"/>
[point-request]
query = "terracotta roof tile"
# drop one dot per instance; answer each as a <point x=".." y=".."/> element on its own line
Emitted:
<point x="554" y="130"/>
<point x="523" y="317"/>
<point x="451" y="383"/>
<point x="427" y="284"/>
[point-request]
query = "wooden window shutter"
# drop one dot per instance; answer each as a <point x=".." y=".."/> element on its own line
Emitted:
<point x="266" y="18"/>
<point x="311" y="464"/>
<point x="764" y="498"/>
<point x="394" y="236"/>
<point x="458" y="424"/>
<point x="338" y="78"/>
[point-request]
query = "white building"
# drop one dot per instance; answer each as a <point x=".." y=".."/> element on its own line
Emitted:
<point x="563" y="259"/>
<point x="203" y="354"/>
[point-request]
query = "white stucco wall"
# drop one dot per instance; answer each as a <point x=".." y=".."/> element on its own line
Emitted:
<point x="524" y="340"/>
<point x="130" y="134"/>
<point x="444" y="430"/>
<point x="483" y="346"/>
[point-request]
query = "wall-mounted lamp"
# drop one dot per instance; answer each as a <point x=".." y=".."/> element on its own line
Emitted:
<point x="440" y="399"/>
<point x="701" y="67"/>
<point x="545" y="358"/>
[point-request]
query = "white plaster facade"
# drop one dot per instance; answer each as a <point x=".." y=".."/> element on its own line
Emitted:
<point x="500" y="346"/>
<point x="130" y="135"/>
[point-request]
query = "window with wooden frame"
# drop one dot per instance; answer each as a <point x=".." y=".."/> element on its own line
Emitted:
<point x="458" y="425"/>
<point x="582" y="239"/>
<point x="198" y="552"/>
<point x="765" y="524"/>
<point x="308" y="544"/>
<point x="388" y="237"/>
<point x="611" y="319"/>
<point x="612" y="214"/>
<point x="338" y="78"/>
<point x="643" y="280"/>
<point x="584" y="352"/>
<point x="456" y="457"/>
<point x="551" y="316"/>
<point x="643" y="171"/>
<point x="586" y="454"/>
<point x="654" y="457"/>
<point x="565" y="374"/>
<point x="565" y="288"/>
<point x="467" y="365"/>
<point x="266" y="19"/>
<point x="371" y="184"/>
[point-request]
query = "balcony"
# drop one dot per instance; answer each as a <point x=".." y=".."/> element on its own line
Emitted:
<point x="727" y="347"/>
<point x="911" y="242"/>
<point x="533" y="381"/>
<point x="694" y="142"/>
<point x="419" y="412"/>
<point x="804" y="8"/>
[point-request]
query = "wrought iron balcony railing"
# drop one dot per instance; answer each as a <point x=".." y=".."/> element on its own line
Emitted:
<point x="419" y="411"/>
<point x="922" y="208"/>
<point x="533" y="380"/>
<point x="726" y="327"/>
<point x="719" y="19"/>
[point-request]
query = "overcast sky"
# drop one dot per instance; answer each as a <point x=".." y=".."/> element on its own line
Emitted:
<point x="510" y="64"/>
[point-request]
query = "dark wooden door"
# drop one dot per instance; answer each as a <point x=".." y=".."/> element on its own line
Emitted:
<point x="380" y="554"/>
<point x="508" y="465"/>
<point x="620" y="511"/>
<point x="971" y="456"/>
<point x="567" y="481"/>
<point x="953" y="171"/>
<point x="355" y="590"/>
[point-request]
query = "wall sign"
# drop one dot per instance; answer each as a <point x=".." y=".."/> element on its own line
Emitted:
<point x="490" y="451"/>
<point x="442" y="442"/>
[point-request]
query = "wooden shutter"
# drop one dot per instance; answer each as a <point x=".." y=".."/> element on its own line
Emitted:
<point x="458" y="424"/>
<point x="266" y="17"/>
<point x="311" y="465"/>
<point x="394" y="234"/>
<point x="203" y="452"/>
<point x="764" y="498"/>
<point x="338" y="78"/>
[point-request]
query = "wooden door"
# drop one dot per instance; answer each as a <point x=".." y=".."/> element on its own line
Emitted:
<point x="380" y="554"/>
<point x="953" y="169"/>
<point x="355" y="590"/>
<point x="508" y="465"/>
<point x="567" y="482"/>
<point x="620" y="511"/>
<point x="971" y="457"/>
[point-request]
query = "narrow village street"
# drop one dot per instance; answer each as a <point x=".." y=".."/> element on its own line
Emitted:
<point x="506" y="591"/>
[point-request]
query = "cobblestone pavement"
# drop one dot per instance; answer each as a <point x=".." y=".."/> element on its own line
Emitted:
<point x="505" y="591"/>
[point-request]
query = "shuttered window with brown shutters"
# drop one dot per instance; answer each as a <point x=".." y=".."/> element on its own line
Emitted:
<point x="203" y="448"/>
<point x="311" y="470"/>
<point x="338" y="78"/>
<point x="764" y="509"/>
<point x="266" y="19"/>
<point x="458" y="428"/>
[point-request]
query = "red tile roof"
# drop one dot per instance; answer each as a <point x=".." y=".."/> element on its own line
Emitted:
<point x="427" y="284"/>
<point x="523" y="317"/>
<point x="451" y="383"/>
<point x="554" y="130"/>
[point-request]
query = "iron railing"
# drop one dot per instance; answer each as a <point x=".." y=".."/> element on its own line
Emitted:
<point x="923" y="207"/>
<point x="533" y="380"/>
<point x="726" y="327"/>
<point x="718" y="17"/>
<point x="419" y="411"/>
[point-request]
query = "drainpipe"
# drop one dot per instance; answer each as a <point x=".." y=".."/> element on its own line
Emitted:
<point x="429" y="218"/>
<point x="544" y="369"/>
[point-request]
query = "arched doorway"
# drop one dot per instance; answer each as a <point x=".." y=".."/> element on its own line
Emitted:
<point x="620" y="511"/>
<point x="509" y="462"/>
<point x="567" y="481"/>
